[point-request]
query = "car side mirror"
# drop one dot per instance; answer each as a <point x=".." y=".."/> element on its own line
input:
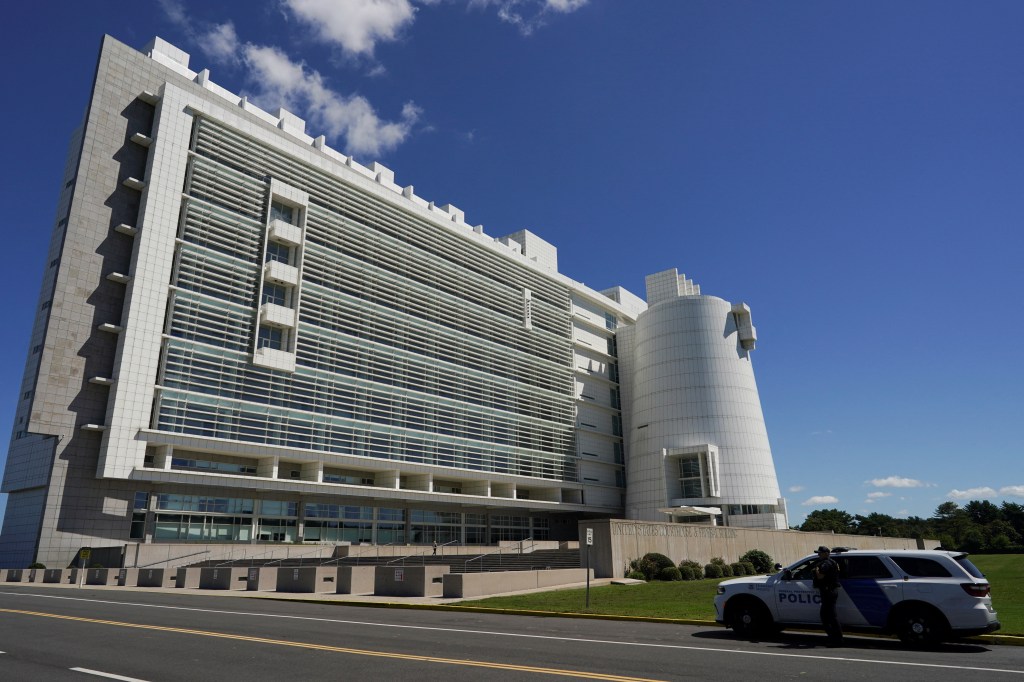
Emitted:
<point x="787" y="574"/>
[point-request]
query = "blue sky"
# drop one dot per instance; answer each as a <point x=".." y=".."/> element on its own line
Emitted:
<point x="852" y="171"/>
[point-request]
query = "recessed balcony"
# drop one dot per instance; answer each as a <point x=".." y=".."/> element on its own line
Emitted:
<point x="285" y="232"/>
<point x="277" y="315"/>
<point x="280" y="273"/>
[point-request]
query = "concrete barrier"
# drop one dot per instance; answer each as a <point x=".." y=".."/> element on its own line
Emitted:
<point x="355" y="579"/>
<point x="469" y="585"/>
<point x="187" y="578"/>
<point x="16" y="575"/>
<point x="307" y="579"/>
<point x="57" y="575"/>
<point x="223" y="578"/>
<point x="156" y="577"/>
<point x="261" y="579"/>
<point x="409" y="581"/>
<point x="101" y="576"/>
<point x="128" y="577"/>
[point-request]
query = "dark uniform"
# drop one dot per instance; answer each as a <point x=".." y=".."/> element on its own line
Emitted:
<point x="826" y="579"/>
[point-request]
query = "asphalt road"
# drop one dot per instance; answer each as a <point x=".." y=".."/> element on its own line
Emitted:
<point x="49" y="633"/>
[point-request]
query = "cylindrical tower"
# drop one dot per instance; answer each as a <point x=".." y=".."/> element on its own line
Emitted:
<point x="697" y="434"/>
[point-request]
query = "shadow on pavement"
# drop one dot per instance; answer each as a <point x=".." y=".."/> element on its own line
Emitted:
<point x="802" y="641"/>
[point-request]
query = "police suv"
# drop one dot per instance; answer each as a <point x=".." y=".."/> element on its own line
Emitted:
<point x="923" y="596"/>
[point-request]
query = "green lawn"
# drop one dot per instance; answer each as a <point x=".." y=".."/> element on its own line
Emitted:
<point x="695" y="599"/>
<point x="1005" y="572"/>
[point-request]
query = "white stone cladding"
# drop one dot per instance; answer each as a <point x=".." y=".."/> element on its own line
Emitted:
<point x="693" y="394"/>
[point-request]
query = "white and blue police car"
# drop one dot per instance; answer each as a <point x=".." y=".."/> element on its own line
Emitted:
<point x="922" y="596"/>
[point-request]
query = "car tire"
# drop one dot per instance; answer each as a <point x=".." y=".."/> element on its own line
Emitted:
<point x="921" y="626"/>
<point x="748" y="617"/>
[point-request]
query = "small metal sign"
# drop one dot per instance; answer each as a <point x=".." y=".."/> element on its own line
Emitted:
<point x="590" y="537"/>
<point x="399" y="575"/>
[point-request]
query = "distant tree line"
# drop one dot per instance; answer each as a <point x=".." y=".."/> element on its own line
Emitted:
<point x="978" y="526"/>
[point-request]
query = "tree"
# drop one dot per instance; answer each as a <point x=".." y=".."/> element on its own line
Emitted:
<point x="877" y="524"/>
<point x="947" y="510"/>
<point x="982" y="512"/>
<point x="1013" y="514"/>
<point x="825" y="520"/>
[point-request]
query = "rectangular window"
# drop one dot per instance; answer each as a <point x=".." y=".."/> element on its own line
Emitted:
<point x="281" y="253"/>
<point x="275" y="293"/>
<point x="270" y="337"/>
<point x="282" y="212"/>
<point x="141" y="501"/>
<point x="138" y="528"/>
<point x="689" y="476"/>
<point x="279" y="508"/>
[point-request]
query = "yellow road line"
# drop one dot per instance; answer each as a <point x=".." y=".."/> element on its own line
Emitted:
<point x="343" y="650"/>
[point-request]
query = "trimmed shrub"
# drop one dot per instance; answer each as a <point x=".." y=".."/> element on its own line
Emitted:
<point x="687" y="573"/>
<point x="636" y="575"/>
<point x="670" y="573"/>
<point x="695" y="566"/>
<point x="762" y="561"/>
<point x="726" y="570"/>
<point x="652" y="564"/>
<point x="738" y="568"/>
<point x="37" y="565"/>
<point x="713" y="571"/>
<point x="748" y="568"/>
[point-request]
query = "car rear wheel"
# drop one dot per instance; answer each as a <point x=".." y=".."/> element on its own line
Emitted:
<point x="921" y="626"/>
<point x="748" y="617"/>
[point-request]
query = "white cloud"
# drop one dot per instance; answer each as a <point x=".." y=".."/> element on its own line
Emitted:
<point x="876" y="495"/>
<point x="528" y="15"/>
<point x="819" y="500"/>
<point x="221" y="43"/>
<point x="1012" y="491"/>
<point x="282" y="82"/>
<point x="175" y="12"/>
<point x="897" y="482"/>
<point x="355" y="25"/>
<point x="971" y="493"/>
<point x="564" y="6"/>
<point x="795" y="488"/>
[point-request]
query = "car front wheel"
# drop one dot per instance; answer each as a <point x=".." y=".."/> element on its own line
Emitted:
<point x="748" y="617"/>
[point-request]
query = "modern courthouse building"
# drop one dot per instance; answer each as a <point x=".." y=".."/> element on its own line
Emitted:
<point x="245" y="336"/>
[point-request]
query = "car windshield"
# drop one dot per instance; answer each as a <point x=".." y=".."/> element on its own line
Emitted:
<point x="968" y="566"/>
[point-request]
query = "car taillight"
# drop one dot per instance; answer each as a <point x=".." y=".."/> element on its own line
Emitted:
<point x="976" y="589"/>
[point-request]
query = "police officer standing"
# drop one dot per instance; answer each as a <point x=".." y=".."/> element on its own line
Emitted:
<point x="826" y="579"/>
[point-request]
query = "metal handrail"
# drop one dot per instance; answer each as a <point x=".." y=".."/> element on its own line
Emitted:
<point x="465" y="564"/>
<point x="168" y="559"/>
<point x="419" y="554"/>
<point x="285" y="558"/>
<point x="375" y="549"/>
